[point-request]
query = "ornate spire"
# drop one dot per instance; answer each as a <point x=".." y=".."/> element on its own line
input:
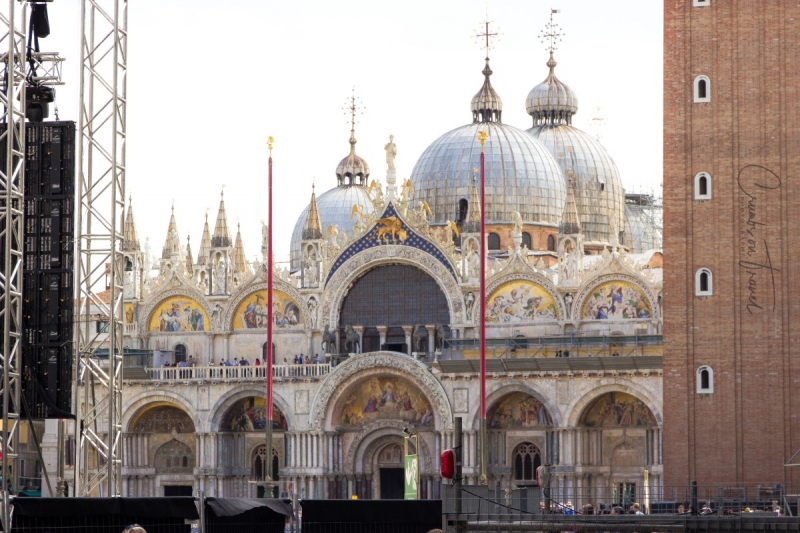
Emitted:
<point x="172" y="243"/>
<point x="486" y="104"/>
<point x="353" y="109"/>
<point x="473" y="222"/>
<point x="552" y="101"/>
<point x="205" y="245"/>
<point x="221" y="237"/>
<point x="130" y="242"/>
<point x="352" y="170"/>
<point x="313" y="229"/>
<point x="570" y="222"/>
<point x="239" y="260"/>
<point x="189" y="267"/>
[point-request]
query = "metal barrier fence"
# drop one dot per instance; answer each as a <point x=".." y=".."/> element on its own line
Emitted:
<point x="483" y="509"/>
<point x="725" y="499"/>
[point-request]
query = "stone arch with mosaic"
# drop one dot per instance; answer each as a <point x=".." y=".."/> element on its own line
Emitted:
<point x="615" y="297"/>
<point x="523" y="299"/>
<point x="178" y="312"/>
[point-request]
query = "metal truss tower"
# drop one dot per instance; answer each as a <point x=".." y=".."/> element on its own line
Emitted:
<point x="101" y="196"/>
<point x="13" y="63"/>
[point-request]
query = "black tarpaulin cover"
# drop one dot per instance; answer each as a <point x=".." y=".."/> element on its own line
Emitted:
<point x="166" y="507"/>
<point x="386" y="515"/>
<point x="104" y="515"/>
<point x="246" y="515"/>
<point x="236" y="506"/>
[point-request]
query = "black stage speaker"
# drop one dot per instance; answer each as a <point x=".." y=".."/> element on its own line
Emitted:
<point x="48" y="306"/>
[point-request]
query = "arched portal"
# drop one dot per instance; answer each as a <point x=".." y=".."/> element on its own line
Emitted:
<point x="394" y="296"/>
<point x="526" y="459"/>
<point x="259" y="469"/>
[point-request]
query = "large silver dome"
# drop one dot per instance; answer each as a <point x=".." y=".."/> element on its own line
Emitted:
<point x="646" y="220"/>
<point x="334" y="208"/>
<point x="521" y="175"/>
<point x="599" y="195"/>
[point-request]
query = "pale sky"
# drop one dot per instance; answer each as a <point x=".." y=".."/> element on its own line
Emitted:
<point x="209" y="81"/>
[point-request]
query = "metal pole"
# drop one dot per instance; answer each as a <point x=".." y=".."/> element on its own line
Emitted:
<point x="457" y="437"/>
<point x="482" y="135"/>
<point x="101" y="195"/>
<point x="11" y="229"/>
<point x="268" y="367"/>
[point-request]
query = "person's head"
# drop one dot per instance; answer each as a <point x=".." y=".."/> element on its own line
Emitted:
<point x="134" y="528"/>
<point x="681" y="509"/>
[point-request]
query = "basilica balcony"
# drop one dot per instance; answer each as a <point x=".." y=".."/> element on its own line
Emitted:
<point x="557" y="346"/>
<point x="229" y="373"/>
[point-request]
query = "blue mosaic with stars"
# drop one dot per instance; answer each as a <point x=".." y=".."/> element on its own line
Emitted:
<point x="370" y="240"/>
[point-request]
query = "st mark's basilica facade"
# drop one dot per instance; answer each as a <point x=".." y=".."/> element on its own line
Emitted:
<point x="384" y="280"/>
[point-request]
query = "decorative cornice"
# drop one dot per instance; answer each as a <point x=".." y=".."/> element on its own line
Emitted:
<point x="401" y="236"/>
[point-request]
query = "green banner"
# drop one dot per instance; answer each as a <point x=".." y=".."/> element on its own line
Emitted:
<point x="411" y="474"/>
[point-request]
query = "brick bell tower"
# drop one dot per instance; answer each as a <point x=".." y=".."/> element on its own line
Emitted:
<point x="732" y="241"/>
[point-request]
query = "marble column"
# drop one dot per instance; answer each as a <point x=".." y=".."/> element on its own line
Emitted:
<point x="382" y="334"/>
<point x="360" y="331"/>
<point x="408" y="330"/>
<point x="431" y="337"/>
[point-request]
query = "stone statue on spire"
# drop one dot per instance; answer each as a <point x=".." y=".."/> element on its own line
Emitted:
<point x="391" y="153"/>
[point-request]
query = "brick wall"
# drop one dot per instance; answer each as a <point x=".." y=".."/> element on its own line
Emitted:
<point x="748" y="139"/>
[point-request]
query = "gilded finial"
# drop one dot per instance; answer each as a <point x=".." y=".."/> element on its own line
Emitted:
<point x="270" y="142"/>
<point x="482" y="136"/>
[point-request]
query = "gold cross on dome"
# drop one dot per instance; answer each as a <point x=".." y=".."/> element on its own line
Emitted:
<point x="487" y="35"/>
<point x="353" y="108"/>
<point x="551" y="34"/>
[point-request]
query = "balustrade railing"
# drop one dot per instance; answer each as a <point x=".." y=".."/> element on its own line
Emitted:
<point x="244" y="373"/>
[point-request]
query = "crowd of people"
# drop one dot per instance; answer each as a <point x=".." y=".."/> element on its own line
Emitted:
<point x="300" y="359"/>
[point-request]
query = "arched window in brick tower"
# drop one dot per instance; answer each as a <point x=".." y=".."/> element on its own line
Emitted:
<point x="702" y="89"/>
<point x="702" y="186"/>
<point x="705" y="380"/>
<point x="551" y="243"/>
<point x="704" y="282"/>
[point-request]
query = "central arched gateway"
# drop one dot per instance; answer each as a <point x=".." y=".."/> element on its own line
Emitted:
<point x="388" y="298"/>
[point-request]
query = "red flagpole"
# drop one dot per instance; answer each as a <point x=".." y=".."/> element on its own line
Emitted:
<point x="482" y="135"/>
<point x="268" y="367"/>
<point x="483" y="281"/>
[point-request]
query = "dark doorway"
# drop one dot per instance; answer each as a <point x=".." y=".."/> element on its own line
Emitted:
<point x="402" y="348"/>
<point x="396" y="340"/>
<point x="180" y="353"/>
<point x="391" y="483"/>
<point x="371" y="340"/>
<point x="177" y="490"/>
